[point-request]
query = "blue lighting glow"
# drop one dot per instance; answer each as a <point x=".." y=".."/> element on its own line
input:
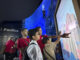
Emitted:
<point x="36" y="19"/>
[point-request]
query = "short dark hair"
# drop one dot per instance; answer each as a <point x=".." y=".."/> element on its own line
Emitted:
<point x="23" y="29"/>
<point x="32" y="32"/>
<point x="11" y="38"/>
<point x="37" y="28"/>
<point x="45" y="39"/>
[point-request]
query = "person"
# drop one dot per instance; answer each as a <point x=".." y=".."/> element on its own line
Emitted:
<point x="33" y="51"/>
<point x="22" y="43"/>
<point x="41" y="45"/>
<point x="49" y="49"/>
<point x="9" y="49"/>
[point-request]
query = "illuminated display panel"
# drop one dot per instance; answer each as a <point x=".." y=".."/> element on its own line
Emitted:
<point x="67" y="22"/>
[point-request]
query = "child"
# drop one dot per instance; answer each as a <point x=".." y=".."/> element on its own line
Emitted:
<point x="33" y="50"/>
<point x="49" y="49"/>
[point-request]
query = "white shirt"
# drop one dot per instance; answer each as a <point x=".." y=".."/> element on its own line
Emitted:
<point x="34" y="51"/>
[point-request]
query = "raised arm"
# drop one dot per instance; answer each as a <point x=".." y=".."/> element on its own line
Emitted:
<point x="58" y="40"/>
<point x="52" y="36"/>
<point x="65" y="35"/>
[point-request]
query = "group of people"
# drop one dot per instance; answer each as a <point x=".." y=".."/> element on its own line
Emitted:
<point x="32" y="45"/>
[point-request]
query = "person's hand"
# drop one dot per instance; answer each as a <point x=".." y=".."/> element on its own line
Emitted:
<point x="65" y="35"/>
<point x="14" y="46"/>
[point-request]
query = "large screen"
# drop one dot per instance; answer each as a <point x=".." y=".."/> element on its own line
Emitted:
<point x="67" y="22"/>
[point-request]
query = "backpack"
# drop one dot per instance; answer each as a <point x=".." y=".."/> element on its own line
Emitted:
<point x="25" y="55"/>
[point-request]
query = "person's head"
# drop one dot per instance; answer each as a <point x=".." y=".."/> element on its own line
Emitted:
<point x="11" y="38"/>
<point x="24" y="32"/>
<point x="39" y="30"/>
<point x="33" y="34"/>
<point x="46" y="40"/>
